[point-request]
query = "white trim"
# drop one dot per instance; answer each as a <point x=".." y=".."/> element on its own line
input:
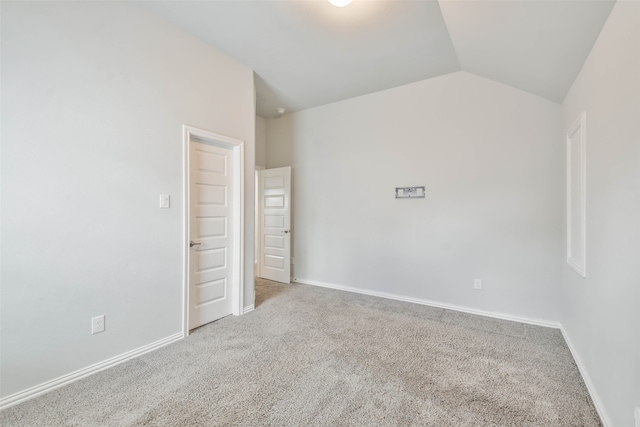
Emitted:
<point x="248" y="309"/>
<point x="259" y="249"/>
<point x="48" y="386"/>
<point x="511" y="317"/>
<point x="238" y="295"/>
<point x="257" y="223"/>
<point x="577" y="264"/>
<point x="238" y="232"/>
<point x="606" y="421"/>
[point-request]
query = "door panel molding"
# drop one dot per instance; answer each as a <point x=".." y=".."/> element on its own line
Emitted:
<point x="192" y="134"/>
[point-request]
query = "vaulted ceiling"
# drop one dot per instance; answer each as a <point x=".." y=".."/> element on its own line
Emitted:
<point x="310" y="53"/>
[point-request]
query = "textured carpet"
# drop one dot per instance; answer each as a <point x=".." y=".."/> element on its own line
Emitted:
<point x="310" y="356"/>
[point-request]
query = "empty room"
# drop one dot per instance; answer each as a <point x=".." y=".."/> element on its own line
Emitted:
<point x="320" y="212"/>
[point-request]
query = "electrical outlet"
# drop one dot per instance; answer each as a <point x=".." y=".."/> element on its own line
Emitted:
<point x="97" y="324"/>
<point x="477" y="284"/>
<point x="637" y="416"/>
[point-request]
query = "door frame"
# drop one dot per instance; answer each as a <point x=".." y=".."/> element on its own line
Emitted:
<point x="258" y="223"/>
<point x="191" y="133"/>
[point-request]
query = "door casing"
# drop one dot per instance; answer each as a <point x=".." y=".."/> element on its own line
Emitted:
<point x="189" y="134"/>
<point x="258" y="213"/>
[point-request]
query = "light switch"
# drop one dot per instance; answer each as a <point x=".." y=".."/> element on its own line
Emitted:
<point x="164" y="201"/>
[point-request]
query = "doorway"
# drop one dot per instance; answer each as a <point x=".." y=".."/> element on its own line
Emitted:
<point x="274" y="231"/>
<point x="213" y="227"/>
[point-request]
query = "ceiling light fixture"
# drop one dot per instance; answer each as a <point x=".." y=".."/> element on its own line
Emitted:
<point x="339" y="3"/>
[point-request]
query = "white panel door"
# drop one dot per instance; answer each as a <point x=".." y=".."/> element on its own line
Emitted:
<point x="275" y="224"/>
<point x="210" y="228"/>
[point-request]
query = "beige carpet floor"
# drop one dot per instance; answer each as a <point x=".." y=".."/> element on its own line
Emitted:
<point x="310" y="356"/>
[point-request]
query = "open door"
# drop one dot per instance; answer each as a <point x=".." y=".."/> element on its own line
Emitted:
<point x="275" y="224"/>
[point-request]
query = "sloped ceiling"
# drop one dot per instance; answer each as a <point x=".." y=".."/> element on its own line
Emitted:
<point x="310" y="53"/>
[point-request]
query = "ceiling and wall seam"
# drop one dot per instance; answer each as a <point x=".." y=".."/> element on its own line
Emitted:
<point x="308" y="54"/>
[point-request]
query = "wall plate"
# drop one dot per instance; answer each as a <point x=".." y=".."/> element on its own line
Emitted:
<point x="165" y="201"/>
<point x="410" y="193"/>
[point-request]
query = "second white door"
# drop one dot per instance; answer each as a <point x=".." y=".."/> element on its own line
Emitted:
<point x="275" y="224"/>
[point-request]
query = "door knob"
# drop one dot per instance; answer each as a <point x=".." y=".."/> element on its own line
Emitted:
<point x="192" y="243"/>
<point x="286" y="231"/>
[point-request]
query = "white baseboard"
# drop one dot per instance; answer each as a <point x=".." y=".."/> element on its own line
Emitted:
<point x="248" y="309"/>
<point x="46" y="387"/>
<point x="606" y="421"/>
<point x="511" y="317"/>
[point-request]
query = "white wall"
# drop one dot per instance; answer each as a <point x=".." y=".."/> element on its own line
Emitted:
<point x="491" y="158"/>
<point x="94" y="96"/>
<point x="601" y="312"/>
<point x="261" y="141"/>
